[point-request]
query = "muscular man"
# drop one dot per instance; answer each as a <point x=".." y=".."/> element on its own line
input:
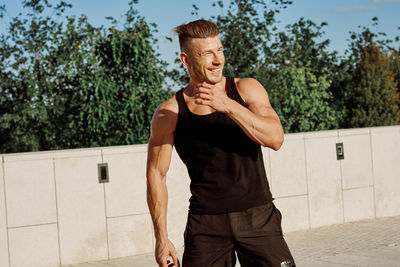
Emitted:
<point x="217" y="125"/>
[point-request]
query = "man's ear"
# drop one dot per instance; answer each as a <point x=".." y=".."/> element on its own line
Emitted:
<point x="184" y="59"/>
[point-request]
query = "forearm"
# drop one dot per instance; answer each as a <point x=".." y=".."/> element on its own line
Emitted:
<point x="157" y="200"/>
<point x="265" y="130"/>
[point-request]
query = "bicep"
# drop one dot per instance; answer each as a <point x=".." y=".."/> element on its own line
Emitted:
<point x="159" y="155"/>
<point x="257" y="99"/>
<point x="161" y="142"/>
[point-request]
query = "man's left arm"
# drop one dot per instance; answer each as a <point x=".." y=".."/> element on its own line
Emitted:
<point x="259" y="120"/>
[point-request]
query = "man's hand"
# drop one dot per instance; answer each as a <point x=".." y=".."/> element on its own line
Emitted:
<point x="163" y="252"/>
<point x="258" y="119"/>
<point x="211" y="95"/>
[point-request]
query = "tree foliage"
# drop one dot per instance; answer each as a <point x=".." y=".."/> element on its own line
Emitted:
<point x="26" y="71"/>
<point x="368" y="68"/>
<point x="69" y="84"/>
<point x="374" y="100"/>
<point x="302" y="101"/>
<point x="130" y="85"/>
<point x="65" y="83"/>
<point x="298" y="76"/>
<point x="394" y="59"/>
<point x="293" y="66"/>
<point x="245" y="31"/>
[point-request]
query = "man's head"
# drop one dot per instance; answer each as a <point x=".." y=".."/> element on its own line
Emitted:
<point x="195" y="29"/>
<point x="201" y="51"/>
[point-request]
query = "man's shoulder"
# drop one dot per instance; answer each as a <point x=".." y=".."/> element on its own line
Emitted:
<point x="166" y="115"/>
<point x="169" y="105"/>
<point x="247" y="83"/>
<point x="249" y="88"/>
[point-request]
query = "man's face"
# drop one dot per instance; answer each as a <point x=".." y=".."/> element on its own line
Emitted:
<point x="206" y="59"/>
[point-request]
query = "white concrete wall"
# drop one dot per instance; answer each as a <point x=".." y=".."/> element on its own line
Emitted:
<point x="54" y="212"/>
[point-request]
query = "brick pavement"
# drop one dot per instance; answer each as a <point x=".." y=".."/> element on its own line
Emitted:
<point x="363" y="243"/>
<point x="366" y="243"/>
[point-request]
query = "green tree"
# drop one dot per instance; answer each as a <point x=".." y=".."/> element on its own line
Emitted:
<point x="347" y="87"/>
<point x="394" y="58"/>
<point x="342" y="80"/>
<point x="301" y="99"/>
<point x="75" y="85"/>
<point x="25" y="99"/>
<point x="130" y="85"/>
<point x="245" y="29"/>
<point x="298" y="76"/>
<point x="294" y="66"/>
<point x="374" y="100"/>
<point x="302" y="45"/>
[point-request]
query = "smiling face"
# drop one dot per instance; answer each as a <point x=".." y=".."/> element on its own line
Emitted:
<point x="204" y="59"/>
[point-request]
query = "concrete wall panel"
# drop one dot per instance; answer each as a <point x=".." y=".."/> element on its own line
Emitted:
<point x="289" y="167"/>
<point x="130" y="235"/>
<point x="34" y="246"/>
<point x="3" y="222"/>
<point x="358" y="204"/>
<point x="311" y="187"/>
<point x="324" y="182"/>
<point x="126" y="191"/>
<point x="294" y="211"/>
<point x="386" y="159"/>
<point x="357" y="168"/>
<point x="30" y="191"/>
<point x="178" y="182"/>
<point x="81" y="208"/>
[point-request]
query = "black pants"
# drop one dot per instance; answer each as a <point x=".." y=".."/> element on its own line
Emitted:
<point x="254" y="234"/>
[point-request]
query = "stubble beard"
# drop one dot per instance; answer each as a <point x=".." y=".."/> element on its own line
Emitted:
<point x="214" y="81"/>
<point x="210" y="79"/>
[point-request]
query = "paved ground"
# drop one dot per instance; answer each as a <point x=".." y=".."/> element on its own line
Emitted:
<point x="365" y="243"/>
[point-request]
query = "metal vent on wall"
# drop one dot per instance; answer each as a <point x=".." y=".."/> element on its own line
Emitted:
<point x="339" y="151"/>
<point x="102" y="169"/>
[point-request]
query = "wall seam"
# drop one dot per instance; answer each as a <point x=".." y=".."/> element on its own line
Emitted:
<point x="31" y="225"/>
<point x="5" y="212"/>
<point x="56" y="198"/>
<point x="127" y="215"/>
<point x="105" y="210"/>
<point x="290" y="196"/>
<point x="308" y="192"/>
<point x="358" y="187"/>
<point x="373" y="170"/>
<point x="341" y="183"/>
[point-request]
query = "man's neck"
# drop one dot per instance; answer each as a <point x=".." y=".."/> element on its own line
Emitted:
<point x="193" y="83"/>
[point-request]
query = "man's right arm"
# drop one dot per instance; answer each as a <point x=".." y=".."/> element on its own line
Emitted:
<point x="158" y="161"/>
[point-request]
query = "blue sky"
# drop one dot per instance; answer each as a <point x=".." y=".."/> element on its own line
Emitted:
<point x="342" y="16"/>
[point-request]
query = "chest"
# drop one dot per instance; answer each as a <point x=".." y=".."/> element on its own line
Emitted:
<point x="198" y="109"/>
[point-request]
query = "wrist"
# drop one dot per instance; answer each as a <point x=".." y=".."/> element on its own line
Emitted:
<point x="161" y="237"/>
<point x="229" y="107"/>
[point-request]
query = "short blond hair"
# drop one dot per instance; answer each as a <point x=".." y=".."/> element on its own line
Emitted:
<point x="196" y="29"/>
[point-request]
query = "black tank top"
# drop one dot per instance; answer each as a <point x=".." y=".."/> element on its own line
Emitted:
<point x="225" y="166"/>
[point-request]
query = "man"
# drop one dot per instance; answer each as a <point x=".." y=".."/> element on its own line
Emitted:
<point x="217" y="125"/>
